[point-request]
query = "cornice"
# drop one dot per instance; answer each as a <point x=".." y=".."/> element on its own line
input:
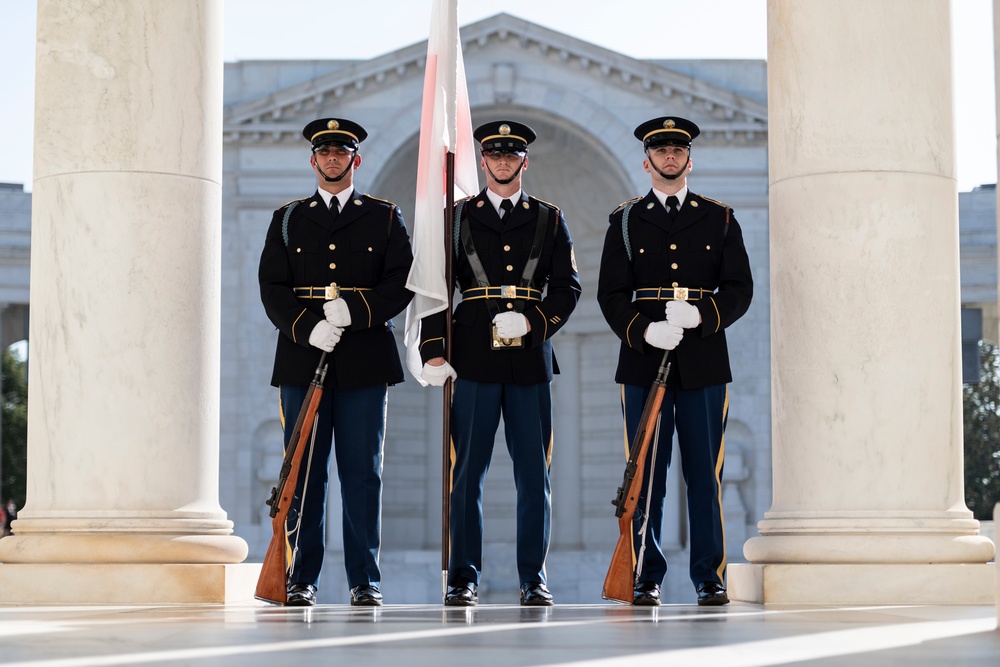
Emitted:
<point x="728" y="113"/>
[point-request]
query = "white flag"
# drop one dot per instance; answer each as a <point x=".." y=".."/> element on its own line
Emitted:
<point x="445" y="127"/>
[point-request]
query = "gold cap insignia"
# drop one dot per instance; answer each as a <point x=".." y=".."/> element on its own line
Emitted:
<point x="333" y="125"/>
<point x="669" y="124"/>
<point x="504" y="129"/>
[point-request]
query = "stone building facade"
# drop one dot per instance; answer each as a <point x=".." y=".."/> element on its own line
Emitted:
<point x="583" y="101"/>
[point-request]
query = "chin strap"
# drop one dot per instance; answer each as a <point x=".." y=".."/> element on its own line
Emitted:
<point x="509" y="180"/>
<point x="338" y="178"/>
<point x="354" y="154"/>
<point x="667" y="176"/>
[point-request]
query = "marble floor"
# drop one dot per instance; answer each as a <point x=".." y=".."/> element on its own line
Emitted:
<point x="498" y="635"/>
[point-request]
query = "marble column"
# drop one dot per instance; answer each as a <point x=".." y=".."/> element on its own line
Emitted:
<point x="868" y="504"/>
<point x="996" y="94"/>
<point x="123" y="424"/>
<point x="996" y="97"/>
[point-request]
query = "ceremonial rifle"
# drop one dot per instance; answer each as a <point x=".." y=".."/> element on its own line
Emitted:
<point x="619" y="584"/>
<point x="272" y="585"/>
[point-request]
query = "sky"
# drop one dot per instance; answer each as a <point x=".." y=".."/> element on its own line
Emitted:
<point x="716" y="29"/>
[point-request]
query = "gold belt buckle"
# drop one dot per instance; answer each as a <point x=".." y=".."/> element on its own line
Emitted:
<point x="681" y="293"/>
<point x="508" y="292"/>
<point x="331" y="292"/>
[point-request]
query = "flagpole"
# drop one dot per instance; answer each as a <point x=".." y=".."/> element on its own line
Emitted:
<point x="448" y="385"/>
<point x="447" y="159"/>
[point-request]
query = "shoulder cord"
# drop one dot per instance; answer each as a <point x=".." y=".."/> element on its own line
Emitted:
<point x="284" y="221"/>
<point x="628" y="243"/>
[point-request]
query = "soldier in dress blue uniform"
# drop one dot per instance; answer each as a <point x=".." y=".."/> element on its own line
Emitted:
<point x="332" y="275"/>
<point x="673" y="277"/>
<point x="515" y="269"/>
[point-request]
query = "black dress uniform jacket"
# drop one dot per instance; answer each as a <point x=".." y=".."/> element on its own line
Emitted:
<point x="503" y="247"/>
<point x="366" y="246"/>
<point x="697" y="250"/>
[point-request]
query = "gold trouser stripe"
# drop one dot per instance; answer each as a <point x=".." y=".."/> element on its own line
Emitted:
<point x="548" y="450"/>
<point x="281" y="420"/>
<point x="628" y="454"/>
<point x="718" y="483"/>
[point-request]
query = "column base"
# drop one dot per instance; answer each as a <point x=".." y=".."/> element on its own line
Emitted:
<point x="126" y="583"/>
<point x="121" y="547"/>
<point x="863" y="584"/>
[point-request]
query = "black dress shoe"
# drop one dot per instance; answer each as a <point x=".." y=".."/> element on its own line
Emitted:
<point x="301" y="595"/>
<point x="711" y="594"/>
<point x="366" y="596"/>
<point x="465" y="594"/>
<point x="535" y="594"/>
<point x="646" y="594"/>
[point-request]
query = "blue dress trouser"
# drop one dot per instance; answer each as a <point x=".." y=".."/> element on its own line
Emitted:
<point x="699" y="416"/>
<point x="475" y="417"/>
<point x="351" y="424"/>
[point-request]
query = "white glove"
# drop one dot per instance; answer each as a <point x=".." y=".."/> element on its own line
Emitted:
<point x="511" y="325"/>
<point x="325" y="336"/>
<point x="337" y="313"/>
<point x="436" y="376"/>
<point x="662" y="335"/>
<point x="682" y="314"/>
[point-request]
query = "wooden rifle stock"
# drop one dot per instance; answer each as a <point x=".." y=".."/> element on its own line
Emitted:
<point x="272" y="584"/>
<point x="619" y="584"/>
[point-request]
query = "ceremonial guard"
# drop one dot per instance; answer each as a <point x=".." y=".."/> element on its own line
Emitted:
<point x="674" y="275"/>
<point x="515" y="269"/>
<point x="332" y="275"/>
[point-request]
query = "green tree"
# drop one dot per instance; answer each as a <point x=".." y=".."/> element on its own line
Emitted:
<point x="14" y="413"/>
<point x="981" y="405"/>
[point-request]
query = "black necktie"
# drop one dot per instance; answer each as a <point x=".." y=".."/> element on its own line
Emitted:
<point x="334" y="207"/>
<point x="672" y="204"/>
<point x="506" y="205"/>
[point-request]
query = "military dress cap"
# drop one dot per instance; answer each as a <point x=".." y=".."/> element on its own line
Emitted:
<point x="666" y="130"/>
<point x="338" y="131"/>
<point x="504" y="135"/>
